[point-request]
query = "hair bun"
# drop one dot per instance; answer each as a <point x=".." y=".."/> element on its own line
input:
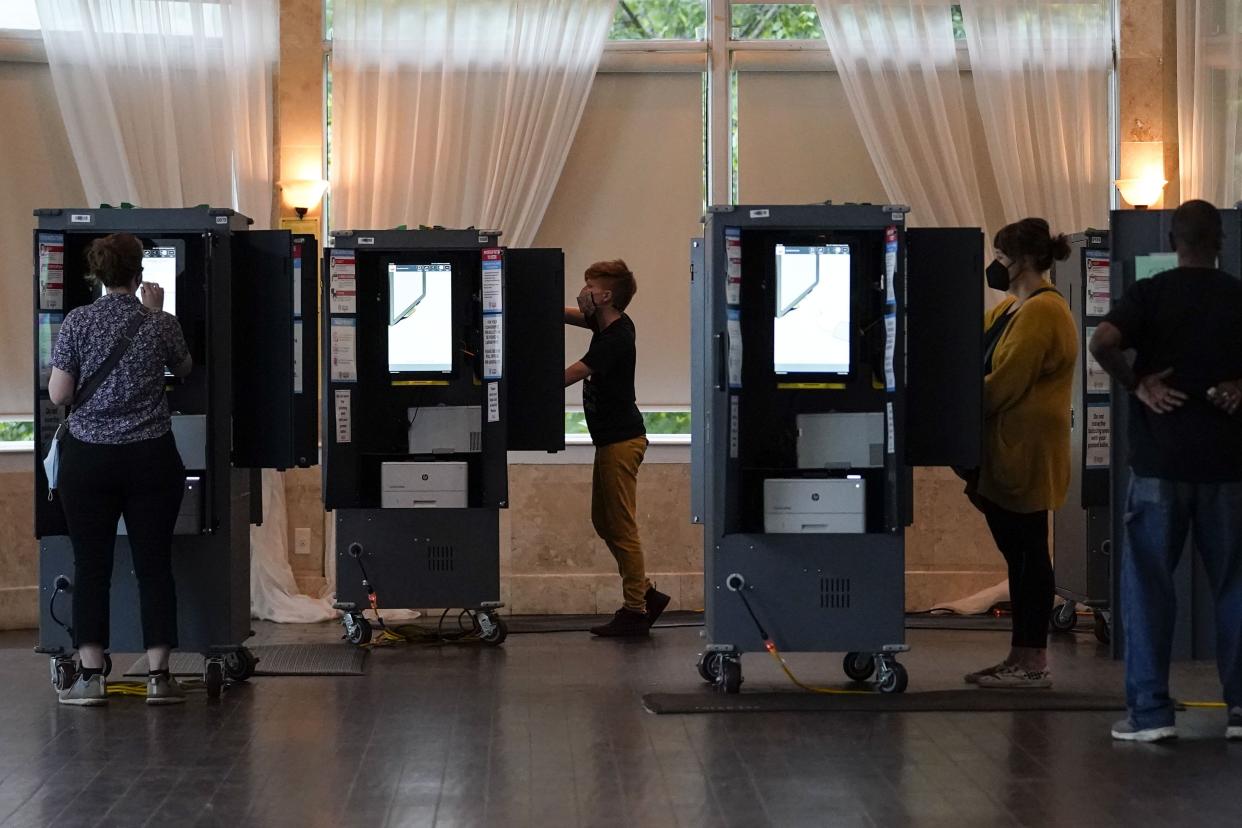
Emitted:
<point x="1060" y="247"/>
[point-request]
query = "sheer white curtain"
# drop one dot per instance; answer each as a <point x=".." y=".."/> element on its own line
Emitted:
<point x="168" y="103"/>
<point x="1209" y="99"/>
<point x="897" y="60"/>
<point x="1040" y="71"/>
<point x="458" y="112"/>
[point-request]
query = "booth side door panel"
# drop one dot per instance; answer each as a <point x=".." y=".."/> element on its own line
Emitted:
<point x="535" y="342"/>
<point x="944" y="347"/>
<point x="698" y="419"/>
<point x="306" y="350"/>
<point x="263" y="383"/>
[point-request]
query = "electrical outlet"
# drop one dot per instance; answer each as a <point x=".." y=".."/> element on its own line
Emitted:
<point x="301" y="541"/>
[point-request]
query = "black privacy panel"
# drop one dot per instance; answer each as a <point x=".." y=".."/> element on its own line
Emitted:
<point x="263" y="399"/>
<point x="535" y="349"/>
<point x="944" y="346"/>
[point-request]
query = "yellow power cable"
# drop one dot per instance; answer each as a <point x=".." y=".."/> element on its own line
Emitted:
<point x="825" y="690"/>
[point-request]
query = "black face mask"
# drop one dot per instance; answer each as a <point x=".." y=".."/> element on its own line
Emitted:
<point x="997" y="275"/>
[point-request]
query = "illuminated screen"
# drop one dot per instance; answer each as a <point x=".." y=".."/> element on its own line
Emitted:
<point x="811" y="332"/>
<point x="420" y="318"/>
<point x="159" y="265"/>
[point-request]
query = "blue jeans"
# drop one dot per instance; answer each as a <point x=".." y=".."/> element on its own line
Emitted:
<point x="1159" y="514"/>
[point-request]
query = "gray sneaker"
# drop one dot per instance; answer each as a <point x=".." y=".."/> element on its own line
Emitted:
<point x="1233" y="731"/>
<point x="86" y="692"/>
<point x="1126" y="731"/>
<point x="164" y="689"/>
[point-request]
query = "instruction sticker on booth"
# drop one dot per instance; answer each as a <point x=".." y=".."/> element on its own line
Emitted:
<point x="344" y="351"/>
<point x="51" y="271"/>
<point x="1099" y="286"/>
<point x="733" y="254"/>
<point x="493" y="346"/>
<point x="342" y="283"/>
<point x="344" y="424"/>
<point x="297" y="356"/>
<point x="890" y="348"/>
<point x="1097" y="378"/>
<point x="733" y="329"/>
<point x="49" y="329"/>
<point x="890" y="265"/>
<point x="1099" y="436"/>
<point x="493" y="281"/>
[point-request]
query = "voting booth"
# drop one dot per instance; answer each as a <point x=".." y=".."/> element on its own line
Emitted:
<point x="246" y="301"/>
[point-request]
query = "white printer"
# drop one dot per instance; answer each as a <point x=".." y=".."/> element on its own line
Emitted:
<point x="430" y="485"/>
<point x="815" y="506"/>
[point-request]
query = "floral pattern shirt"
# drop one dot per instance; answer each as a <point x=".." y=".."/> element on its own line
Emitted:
<point x="131" y="404"/>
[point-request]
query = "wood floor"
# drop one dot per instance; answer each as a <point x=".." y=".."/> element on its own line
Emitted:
<point x="549" y="730"/>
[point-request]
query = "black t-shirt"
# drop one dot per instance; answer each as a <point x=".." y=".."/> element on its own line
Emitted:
<point x="1188" y="319"/>
<point x="608" y="394"/>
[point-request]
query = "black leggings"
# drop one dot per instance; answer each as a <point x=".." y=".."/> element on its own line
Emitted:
<point x="1023" y="540"/>
<point x="100" y="483"/>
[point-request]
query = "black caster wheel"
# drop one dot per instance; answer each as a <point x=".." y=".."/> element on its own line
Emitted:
<point x="1065" y="617"/>
<point x="859" y="666"/>
<point x="64" y="673"/>
<point x="492" y="630"/>
<point x="357" y="629"/>
<point x="895" y="679"/>
<point x="240" y="664"/>
<point x="213" y="677"/>
<point x="1102" y="627"/>
<point x="709" y="667"/>
<point x="730" y="680"/>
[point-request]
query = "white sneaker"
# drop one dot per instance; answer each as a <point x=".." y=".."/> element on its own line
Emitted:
<point x="1012" y="677"/>
<point x="1126" y="731"/>
<point x="1233" y="731"/>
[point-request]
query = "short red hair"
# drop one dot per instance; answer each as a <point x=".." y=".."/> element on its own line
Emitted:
<point x="615" y="275"/>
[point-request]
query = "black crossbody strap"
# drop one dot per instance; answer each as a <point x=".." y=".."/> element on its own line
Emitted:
<point x="96" y="379"/>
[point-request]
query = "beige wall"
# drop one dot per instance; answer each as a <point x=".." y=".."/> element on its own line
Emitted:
<point x="632" y="188"/>
<point x="36" y="170"/>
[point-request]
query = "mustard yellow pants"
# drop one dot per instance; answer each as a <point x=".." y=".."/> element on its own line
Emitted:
<point x="614" y="507"/>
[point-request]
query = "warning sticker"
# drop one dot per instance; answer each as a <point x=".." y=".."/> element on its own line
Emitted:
<point x="1099" y="436"/>
<point x="342" y="283"/>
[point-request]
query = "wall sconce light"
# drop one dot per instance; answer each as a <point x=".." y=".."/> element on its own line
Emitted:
<point x="1142" y="173"/>
<point x="302" y="194"/>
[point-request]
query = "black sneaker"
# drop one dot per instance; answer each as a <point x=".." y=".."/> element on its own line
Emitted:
<point x="1233" y="731"/>
<point x="625" y="623"/>
<point x="657" y="602"/>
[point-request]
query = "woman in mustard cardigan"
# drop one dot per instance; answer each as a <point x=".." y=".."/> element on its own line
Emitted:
<point x="1030" y="354"/>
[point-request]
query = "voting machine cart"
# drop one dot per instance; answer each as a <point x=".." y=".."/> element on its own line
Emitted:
<point x="833" y="350"/>
<point x="443" y="352"/>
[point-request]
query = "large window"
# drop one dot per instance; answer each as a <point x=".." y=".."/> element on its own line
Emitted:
<point x="19" y="14"/>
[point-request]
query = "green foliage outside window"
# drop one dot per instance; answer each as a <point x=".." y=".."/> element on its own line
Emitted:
<point x="776" y="21"/>
<point x="659" y="20"/>
<point x="657" y="422"/>
<point x="16" y="431"/>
